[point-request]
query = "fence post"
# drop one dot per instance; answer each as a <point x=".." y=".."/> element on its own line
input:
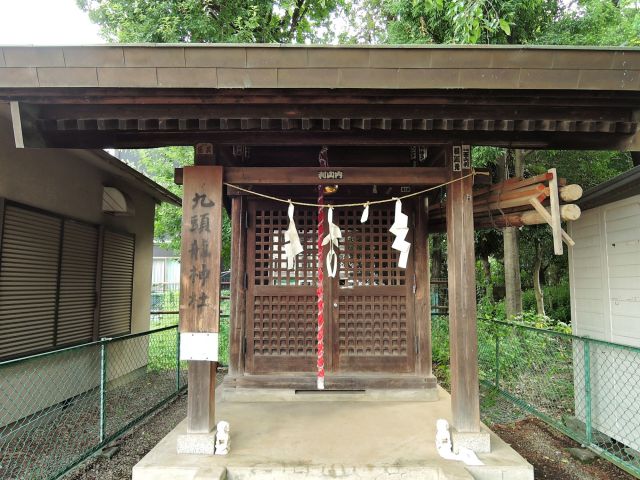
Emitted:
<point x="497" y="361"/>
<point x="177" y="360"/>
<point x="103" y="389"/>
<point x="587" y="388"/>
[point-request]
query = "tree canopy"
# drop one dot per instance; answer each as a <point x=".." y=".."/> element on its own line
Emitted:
<point x="209" y="21"/>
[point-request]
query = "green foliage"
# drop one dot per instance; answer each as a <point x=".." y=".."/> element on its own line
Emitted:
<point x="586" y="168"/>
<point x="159" y="164"/>
<point x="466" y="21"/>
<point x="557" y="303"/>
<point x="206" y="21"/>
<point x="595" y="22"/>
<point x="440" y="349"/>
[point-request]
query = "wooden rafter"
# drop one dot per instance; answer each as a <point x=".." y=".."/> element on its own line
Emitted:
<point x="313" y="176"/>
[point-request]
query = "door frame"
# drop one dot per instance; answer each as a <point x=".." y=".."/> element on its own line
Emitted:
<point x="331" y="289"/>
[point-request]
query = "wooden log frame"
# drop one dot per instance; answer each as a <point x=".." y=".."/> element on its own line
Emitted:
<point x="465" y="397"/>
<point x="517" y="202"/>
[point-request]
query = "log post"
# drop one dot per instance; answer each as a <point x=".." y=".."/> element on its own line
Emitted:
<point x="465" y="403"/>
<point x="238" y="287"/>
<point x="423" y="289"/>
<point x="200" y="290"/>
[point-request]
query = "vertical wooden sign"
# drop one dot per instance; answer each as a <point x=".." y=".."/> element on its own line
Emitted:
<point x="201" y="249"/>
<point x="200" y="290"/>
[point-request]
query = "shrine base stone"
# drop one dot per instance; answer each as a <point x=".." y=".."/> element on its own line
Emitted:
<point x="196" y="444"/>
<point x="479" y="442"/>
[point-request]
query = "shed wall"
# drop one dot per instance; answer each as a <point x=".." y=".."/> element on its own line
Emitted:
<point x="61" y="181"/>
<point x="605" y="304"/>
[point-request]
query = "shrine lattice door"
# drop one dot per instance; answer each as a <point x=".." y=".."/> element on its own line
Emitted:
<point x="369" y="320"/>
<point x="281" y="303"/>
<point x="372" y="299"/>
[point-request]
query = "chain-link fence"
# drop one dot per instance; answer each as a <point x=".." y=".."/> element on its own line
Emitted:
<point x="165" y="311"/>
<point x="586" y="388"/>
<point x="59" y="407"/>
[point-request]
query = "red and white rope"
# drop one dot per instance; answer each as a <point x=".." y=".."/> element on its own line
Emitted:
<point x="320" y="290"/>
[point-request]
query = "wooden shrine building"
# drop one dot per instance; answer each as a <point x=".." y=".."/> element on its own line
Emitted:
<point x="395" y="120"/>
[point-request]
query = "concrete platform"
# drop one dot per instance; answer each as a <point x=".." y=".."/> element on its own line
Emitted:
<point x="259" y="395"/>
<point x="320" y="439"/>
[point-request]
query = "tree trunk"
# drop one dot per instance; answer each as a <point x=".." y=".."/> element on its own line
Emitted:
<point x="537" y="286"/>
<point x="513" y="284"/>
<point x="486" y="268"/>
<point x="436" y="258"/>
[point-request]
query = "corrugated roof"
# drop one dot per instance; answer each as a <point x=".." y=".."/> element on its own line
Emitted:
<point x="623" y="186"/>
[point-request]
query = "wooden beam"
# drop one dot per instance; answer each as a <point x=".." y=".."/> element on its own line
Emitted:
<point x="549" y="219"/>
<point x="200" y="289"/>
<point x="201" y="399"/>
<point x="312" y="176"/>
<point x="556" y="225"/>
<point x="148" y="139"/>
<point x="238" y="288"/>
<point x="422" y="297"/>
<point x="465" y="402"/>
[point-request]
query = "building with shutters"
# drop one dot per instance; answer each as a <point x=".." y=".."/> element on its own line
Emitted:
<point x="76" y="242"/>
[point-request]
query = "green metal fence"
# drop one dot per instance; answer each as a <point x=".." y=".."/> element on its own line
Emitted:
<point x="586" y="388"/>
<point x="58" y="408"/>
<point x="165" y="304"/>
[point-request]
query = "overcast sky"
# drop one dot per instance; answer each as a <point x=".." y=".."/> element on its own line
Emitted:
<point x="45" y="22"/>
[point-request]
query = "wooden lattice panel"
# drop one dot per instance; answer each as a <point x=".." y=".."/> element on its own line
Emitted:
<point x="366" y="256"/>
<point x="270" y="262"/>
<point x="372" y="325"/>
<point x="284" y="325"/>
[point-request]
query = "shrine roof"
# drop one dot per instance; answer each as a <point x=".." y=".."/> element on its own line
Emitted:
<point x="240" y="66"/>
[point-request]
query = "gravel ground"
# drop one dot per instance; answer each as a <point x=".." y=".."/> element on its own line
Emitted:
<point x="546" y="449"/>
<point x="135" y="444"/>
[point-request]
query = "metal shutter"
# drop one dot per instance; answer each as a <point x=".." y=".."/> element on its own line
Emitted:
<point x="28" y="280"/>
<point x="117" y="284"/>
<point x="77" y="283"/>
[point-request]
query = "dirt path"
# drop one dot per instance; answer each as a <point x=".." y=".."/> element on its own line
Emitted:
<point x="546" y="450"/>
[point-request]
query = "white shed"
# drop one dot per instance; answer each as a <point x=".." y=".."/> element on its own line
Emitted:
<point x="604" y="268"/>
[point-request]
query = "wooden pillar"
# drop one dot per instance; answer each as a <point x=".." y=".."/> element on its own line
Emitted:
<point x="463" y="335"/>
<point x="238" y="287"/>
<point x="423" y="289"/>
<point x="200" y="290"/>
